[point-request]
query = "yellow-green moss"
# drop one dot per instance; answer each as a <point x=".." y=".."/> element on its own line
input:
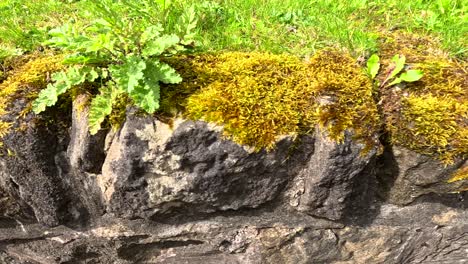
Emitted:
<point x="459" y="175"/>
<point x="433" y="125"/>
<point x="26" y="79"/>
<point x="429" y="116"/>
<point x="258" y="97"/>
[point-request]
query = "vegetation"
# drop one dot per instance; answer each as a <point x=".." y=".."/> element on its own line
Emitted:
<point x="259" y="97"/>
<point x="260" y="70"/>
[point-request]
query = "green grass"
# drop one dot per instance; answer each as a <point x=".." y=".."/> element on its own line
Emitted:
<point x="303" y="26"/>
<point x="25" y="23"/>
<point x="299" y="27"/>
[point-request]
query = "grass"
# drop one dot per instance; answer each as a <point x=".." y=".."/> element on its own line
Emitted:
<point x="25" y="23"/>
<point x="302" y="26"/>
<point x="299" y="27"/>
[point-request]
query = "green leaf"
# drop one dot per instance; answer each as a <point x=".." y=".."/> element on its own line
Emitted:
<point x="47" y="97"/>
<point x="90" y="73"/>
<point x="160" y="72"/>
<point x="159" y="45"/>
<point x="64" y="80"/>
<point x="128" y="74"/>
<point x="100" y="108"/>
<point x="83" y="59"/>
<point x="398" y="65"/>
<point x="72" y="77"/>
<point x="373" y="65"/>
<point x="168" y="75"/>
<point x="396" y="81"/>
<point x="411" y="75"/>
<point x="151" y="33"/>
<point x="147" y="97"/>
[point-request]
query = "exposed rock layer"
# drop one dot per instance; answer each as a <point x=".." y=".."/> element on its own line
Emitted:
<point x="154" y="193"/>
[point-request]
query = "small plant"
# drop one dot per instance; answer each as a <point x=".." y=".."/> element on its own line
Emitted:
<point x="122" y="51"/>
<point x="395" y="73"/>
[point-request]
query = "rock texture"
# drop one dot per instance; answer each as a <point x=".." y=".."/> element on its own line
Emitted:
<point x="154" y="193"/>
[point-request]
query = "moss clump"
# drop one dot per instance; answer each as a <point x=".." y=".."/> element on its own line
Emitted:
<point x="416" y="48"/>
<point x="351" y="103"/>
<point x="433" y="125"/>
<point x="259" y="97"/>
<point x="429" y="116"/>
<point x="26" y="79"/>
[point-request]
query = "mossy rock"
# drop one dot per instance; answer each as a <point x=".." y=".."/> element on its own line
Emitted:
<point x="429" y="116"/>
<point x="260" y="97"/>
<point x="28" y="75"/>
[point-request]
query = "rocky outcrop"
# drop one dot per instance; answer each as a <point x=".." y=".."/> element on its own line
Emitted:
<point x="183" y="193"/>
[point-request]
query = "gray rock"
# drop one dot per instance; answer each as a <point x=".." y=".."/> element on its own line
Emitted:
<point x="436" y="234"/>
<point x="28" y="169"/>
<point x="155" y="193"/>
<point x="323" y="188"/>
<point x="153" y="170"/>
<point x="411" y="175"/>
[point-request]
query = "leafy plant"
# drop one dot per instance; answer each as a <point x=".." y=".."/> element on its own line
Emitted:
<point x="395" y="73"/>
<point x="121" y="49"/>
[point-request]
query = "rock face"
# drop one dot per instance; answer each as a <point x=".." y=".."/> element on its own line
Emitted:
<point x="182" y="193"/>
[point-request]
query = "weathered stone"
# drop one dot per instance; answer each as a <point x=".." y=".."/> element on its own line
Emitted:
<point x="324" y="187"/>
<point x="412" y="175"/>
<point x="413" y="234"/>
<point x="28" y="166"/>
<point x="154" y="193"/>
<point x="81" y="163"/>
<point x="152" y="169"/>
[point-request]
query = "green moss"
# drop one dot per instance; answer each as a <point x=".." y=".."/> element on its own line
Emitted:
<point x="259" y="97"/>
<point x="432" y="125"/>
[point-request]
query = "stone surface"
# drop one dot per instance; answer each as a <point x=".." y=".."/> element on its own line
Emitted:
<point x="411" y="175"/>
<point x="323" y="187"/>
<point x="152" y="170"/>
<point x="154" y="193"/>
<point x="421" y="233"/>
<point x="28" y="171"/>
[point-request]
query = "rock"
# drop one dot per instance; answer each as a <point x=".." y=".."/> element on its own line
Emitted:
<point x="412" y="175"/>
<point x="81" y="163"/>
<point x="324" y="187"/>
<point x="411" y="234"/>
<point x="28" y="167"/>
<point x="157" y="193"/>
<point x="153" y="170"/>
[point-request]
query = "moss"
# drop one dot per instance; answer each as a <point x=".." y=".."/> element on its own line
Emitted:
<point x="433" y="125"/>
<point x="429" y="116"/>
<point x="459" y="175"/>
<point x="416" y="48"/>
<point x="259" y="97"/>
<point x="26" y="79"/>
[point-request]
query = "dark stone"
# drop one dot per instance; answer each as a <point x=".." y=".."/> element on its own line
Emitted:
<point x="154" y="193"/>
<point x="152" y="170"/>
<point x="415" y="175"/>
<point x="333" y="174"/>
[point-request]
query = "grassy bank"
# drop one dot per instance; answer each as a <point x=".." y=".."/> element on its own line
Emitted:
<point x="299" y="27"/>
